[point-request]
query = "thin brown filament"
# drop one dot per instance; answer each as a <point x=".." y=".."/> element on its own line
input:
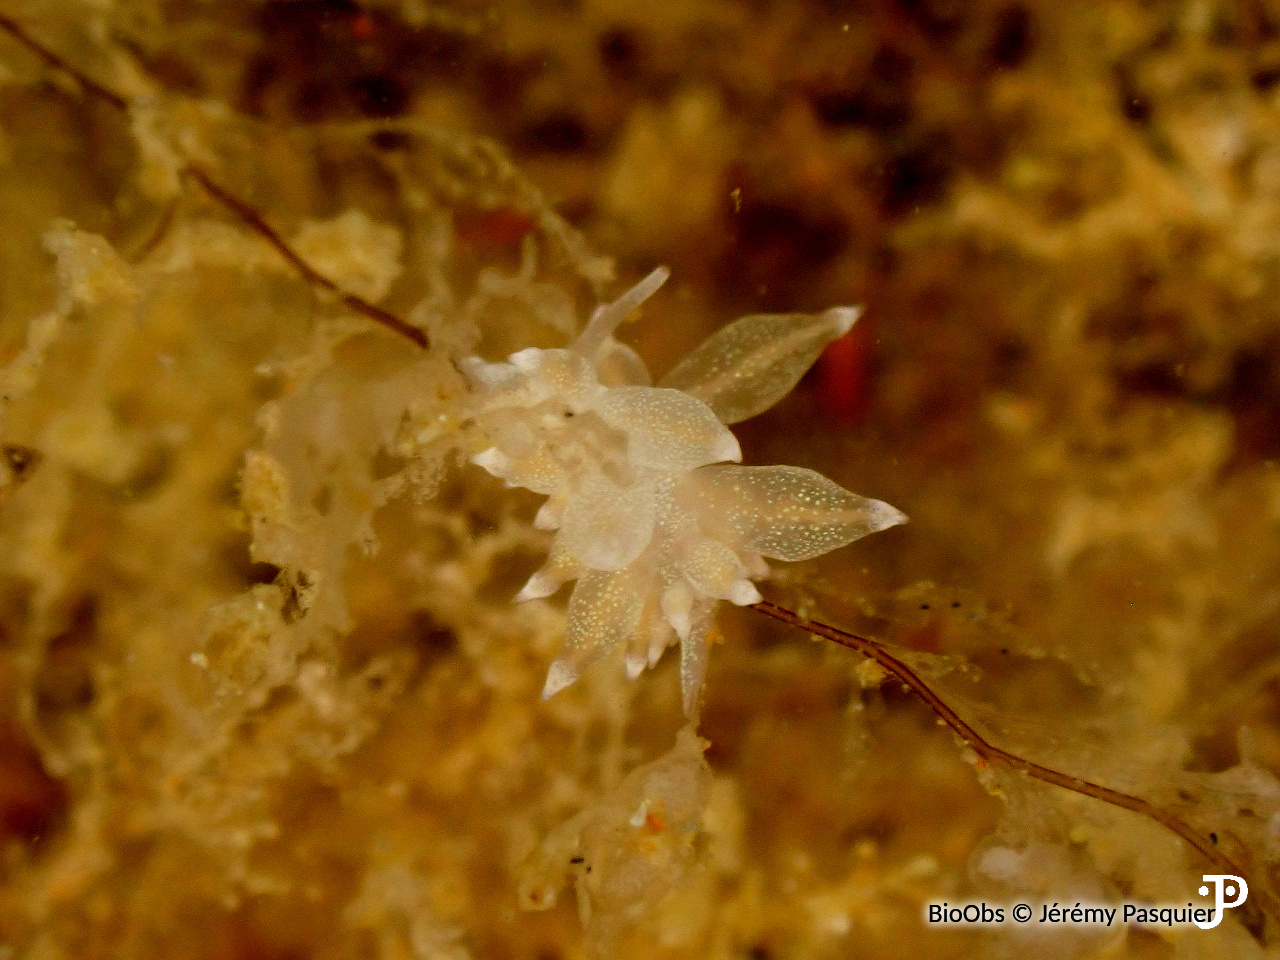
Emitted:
<point x="984" y="749"/>
<point x="258" y="224"/>
<point x="995" y="756"/>
<point x="56" y="62"/>
<point x="245" y="212"/>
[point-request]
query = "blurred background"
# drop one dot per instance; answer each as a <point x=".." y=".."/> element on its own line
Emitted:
<point x="1063" y="223"/>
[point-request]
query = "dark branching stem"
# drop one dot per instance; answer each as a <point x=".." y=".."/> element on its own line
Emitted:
<point x="55" y="62"/>
<point x="241" y="209"/>
<point x="258" y="224"/>
<point x="986" y="751"/>
<point x="994" y="756"/>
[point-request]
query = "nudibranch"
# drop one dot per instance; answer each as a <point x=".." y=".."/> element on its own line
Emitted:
<point x="654" y="516"/>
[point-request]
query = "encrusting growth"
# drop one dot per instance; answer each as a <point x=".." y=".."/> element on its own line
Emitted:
<point x="655" y="519"/>
<point x="656" y="522"/>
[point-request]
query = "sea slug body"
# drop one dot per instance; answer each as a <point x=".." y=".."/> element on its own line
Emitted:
<point x="654" y="518"/>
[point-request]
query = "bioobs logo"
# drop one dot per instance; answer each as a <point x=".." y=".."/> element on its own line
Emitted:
<point x="1229" y="891"/>
<point x="1224" y="885"/>
<point x="964" y="913"/>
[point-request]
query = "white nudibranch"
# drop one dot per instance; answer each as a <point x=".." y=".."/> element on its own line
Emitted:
<point x="654" y="518"/>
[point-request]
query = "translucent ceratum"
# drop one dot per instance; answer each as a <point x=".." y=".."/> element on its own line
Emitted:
<point x="655" y="519"/>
